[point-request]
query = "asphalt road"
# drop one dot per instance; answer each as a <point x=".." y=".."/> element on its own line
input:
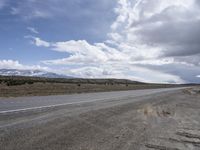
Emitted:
<point x="9" y="105"/>
<point x="156" y="119"/>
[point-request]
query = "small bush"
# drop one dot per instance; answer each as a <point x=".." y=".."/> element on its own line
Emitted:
<point x="15" y="82"/>
<point x="30" y="82"/>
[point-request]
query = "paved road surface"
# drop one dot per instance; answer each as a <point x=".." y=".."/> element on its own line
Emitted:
<point x="26" y="103"/>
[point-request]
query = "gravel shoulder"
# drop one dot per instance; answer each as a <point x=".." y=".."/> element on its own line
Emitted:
<point x="163" y="121"/>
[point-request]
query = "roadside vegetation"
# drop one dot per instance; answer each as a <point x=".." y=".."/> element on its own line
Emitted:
<point x="18" y="80"/>
<point x="35" y="86"/>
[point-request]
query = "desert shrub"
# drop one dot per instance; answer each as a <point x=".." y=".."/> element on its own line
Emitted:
<point x="30" y="82"/>
<point x="14" y="82"/>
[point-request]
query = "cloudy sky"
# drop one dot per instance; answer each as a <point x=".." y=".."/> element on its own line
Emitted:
<point x="144" y="40"/>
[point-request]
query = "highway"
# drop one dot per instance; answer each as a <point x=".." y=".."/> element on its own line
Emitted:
<point x="121" y="120"/>
<point x="9" y="105"/>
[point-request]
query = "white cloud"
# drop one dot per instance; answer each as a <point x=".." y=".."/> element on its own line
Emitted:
<point x="101" y="61"/>
<point x="81" y="48"/>
<point x="38" y="42"/>
<point x="13" y="64"/>
<point x="33" y="30"/>
<point x="157" y="28"/>
<point x="121" y="72"/>
<point x="146" y="36"/>
<point x="198" y="76"/>
<point x="83" y="52"/>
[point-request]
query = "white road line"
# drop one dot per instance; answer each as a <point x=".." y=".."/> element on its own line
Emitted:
<point x="57" y="105"/>
<point x="41" y="107"/>
<point x="64" y="104"/>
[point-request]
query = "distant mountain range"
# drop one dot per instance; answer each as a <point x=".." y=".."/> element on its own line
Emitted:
<point x="31" y="73"/>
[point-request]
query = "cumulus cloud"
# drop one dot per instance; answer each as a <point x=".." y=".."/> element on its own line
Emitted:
<point x="14" y="64"/>
<point x="150" y="40"/>
<point x="121" y="72"/>
<point x="164" y="30"/>
<point x="168" y="28"/>
<point x="99" y="60"/>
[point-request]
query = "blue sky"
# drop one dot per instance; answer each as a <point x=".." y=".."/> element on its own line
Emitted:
<point x="89" y="20"/>
<point x="151" y="41"/>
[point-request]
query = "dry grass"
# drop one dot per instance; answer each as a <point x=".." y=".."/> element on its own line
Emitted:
<point x="37" y="89"/>
<point x="29" y="86"/>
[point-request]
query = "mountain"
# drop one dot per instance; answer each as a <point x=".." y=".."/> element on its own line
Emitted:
<point x="31" y="73"/>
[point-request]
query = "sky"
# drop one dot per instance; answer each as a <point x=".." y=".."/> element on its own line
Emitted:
<point x="145" y="40"/>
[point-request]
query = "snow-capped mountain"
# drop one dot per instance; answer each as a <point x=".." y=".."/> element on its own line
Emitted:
<point x="30" y="73"/>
